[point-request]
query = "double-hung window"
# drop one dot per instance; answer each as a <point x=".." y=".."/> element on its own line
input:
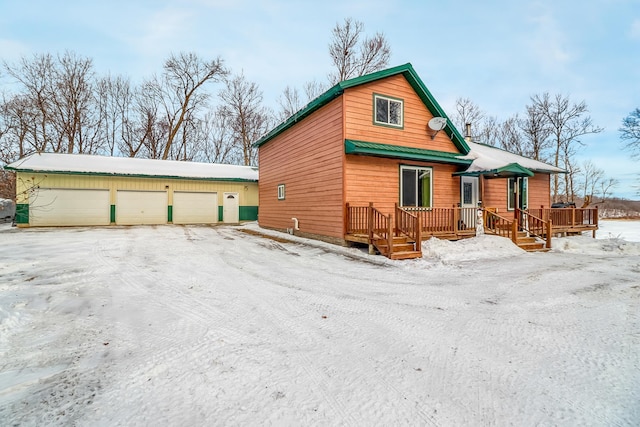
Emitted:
<point x="415" y="186"/>
<point x="388" y="111"/>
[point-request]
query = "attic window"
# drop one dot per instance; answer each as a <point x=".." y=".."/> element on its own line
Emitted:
<point x="388" y="111"/>
<point x="280" y="191"/>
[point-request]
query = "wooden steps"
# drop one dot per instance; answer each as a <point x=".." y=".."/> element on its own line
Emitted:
<point x="402" y="248"/>
<point x="530" y="244"/>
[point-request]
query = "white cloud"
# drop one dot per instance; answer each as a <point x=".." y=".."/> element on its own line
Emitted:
<point x="548" y="43"/>
<point x="634" y="32"/>
<point x="13" y="50"/>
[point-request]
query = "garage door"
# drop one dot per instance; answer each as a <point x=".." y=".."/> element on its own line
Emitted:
<point x="141" y="207"/>
<point x="195" y="208"/>
<point x="58" y="206"/>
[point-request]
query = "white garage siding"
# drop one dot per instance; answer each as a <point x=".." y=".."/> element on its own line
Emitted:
<point x="56" y="206"/>
<point x="195" y="208"/>
<point x="141" y="207"/>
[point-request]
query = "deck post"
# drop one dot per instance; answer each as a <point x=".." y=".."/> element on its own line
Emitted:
<point x="347" y="219"/>
<point x="595" y="222"/>
<point x="419" y="235"/>
<point x="514" y="232"/>
<point x="456" y="222"/>
<point x="549" y="230"/>
<point x="372" y="248"/>
<point x="390" y="235"/>
<point x="395" y="211"/>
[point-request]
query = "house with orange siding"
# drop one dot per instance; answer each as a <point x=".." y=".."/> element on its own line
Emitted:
<point x="375" y="158"/>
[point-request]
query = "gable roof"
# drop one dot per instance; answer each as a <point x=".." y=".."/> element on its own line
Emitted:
<point x="493" y="161"/>
<point x="406" y="70"/>
<point x="84" y="164"/>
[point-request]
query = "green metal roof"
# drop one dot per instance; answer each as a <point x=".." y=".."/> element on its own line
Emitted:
<point x="508" y="171"/>
<point x="406" y="70"/>
<point x="406" y="153"/>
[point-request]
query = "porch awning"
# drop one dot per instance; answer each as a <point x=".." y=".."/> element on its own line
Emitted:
<point x="405" y="153"/>
<point x="512" y="170"/>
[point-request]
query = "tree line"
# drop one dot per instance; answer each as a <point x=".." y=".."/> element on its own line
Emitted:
<point x="196" y="109"/>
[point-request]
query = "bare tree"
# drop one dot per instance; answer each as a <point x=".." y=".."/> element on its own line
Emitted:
<point x="179" y="89"/>
<point x="535" y="132"/>
<point x="34" y="103"/>
<point x="313" y="89"/>
<point x="468" y="112"/>
<point x="352" y="57"/>
<point x="630" y="133"/>
<point x="606" y="186"/>
<point x="217" y="139"/>
<point x="591" y="179"/>
<point x="567" y="122"/>
<point x="249" y="120"/>
<point x="151" y="128"/>
<point x="509" y="137"/>
<point x="290" y="102"/>
<point x="115" y="98"/>
<point x="72" y="101"/>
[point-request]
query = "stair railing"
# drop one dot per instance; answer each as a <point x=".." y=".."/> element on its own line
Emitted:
<point x="534" y="226"/>
<point x="380" y="229"/>
<point x="409" y="225"/>
<point x="500" y="226"/>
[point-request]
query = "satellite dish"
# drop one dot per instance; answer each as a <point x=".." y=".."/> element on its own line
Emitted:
<point x="437" y="124"/>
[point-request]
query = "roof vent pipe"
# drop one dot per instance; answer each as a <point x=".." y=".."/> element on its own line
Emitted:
<point x="467" y="133"/>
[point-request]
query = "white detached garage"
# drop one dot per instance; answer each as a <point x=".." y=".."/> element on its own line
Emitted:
<point x="74" y="189"/>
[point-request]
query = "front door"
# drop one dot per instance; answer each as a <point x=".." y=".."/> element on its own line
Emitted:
<point x="231" y="208"/>
<point x="469" y="201"/>
<point x="518" y="193"/>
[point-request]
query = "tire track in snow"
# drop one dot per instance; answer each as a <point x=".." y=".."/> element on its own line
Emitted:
<point x="281" y="320"/>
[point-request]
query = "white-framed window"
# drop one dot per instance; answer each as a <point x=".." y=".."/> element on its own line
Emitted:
<point x="388" y="111"/>
<point x="416" y="186"/>
<point x="280" y="191"/>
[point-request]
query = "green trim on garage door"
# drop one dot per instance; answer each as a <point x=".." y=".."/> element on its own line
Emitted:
<point x="248" y="213"/>
<point x="113" y="213"/>
<point x="22" y="213"/>
<point x="170" y="213"/>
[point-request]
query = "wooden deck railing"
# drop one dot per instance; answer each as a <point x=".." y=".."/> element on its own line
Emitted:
<point x="569" y="219"/>
<point x="445" y="222"/>
<point x="409" y="225"/>
<point x="357" y="219"/>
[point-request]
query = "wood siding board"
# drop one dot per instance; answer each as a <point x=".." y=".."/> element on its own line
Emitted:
<point x="307" y="159"/>
<point x="359" y="117"/>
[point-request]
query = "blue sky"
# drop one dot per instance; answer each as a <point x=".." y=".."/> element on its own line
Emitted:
<point x="496" y="53"/>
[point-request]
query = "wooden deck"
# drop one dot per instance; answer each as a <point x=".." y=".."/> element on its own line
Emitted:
<point x="394" y="232"/>
<point x="569" y="220"/>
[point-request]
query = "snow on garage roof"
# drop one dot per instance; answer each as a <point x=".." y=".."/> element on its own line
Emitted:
<point x="126" y="166"/>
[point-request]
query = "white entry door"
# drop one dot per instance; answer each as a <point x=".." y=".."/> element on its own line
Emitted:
<point x="231" y="208"/>
<point x="469" y="199"/>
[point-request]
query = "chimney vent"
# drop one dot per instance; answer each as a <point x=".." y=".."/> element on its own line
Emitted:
<point x="467" y="135"/>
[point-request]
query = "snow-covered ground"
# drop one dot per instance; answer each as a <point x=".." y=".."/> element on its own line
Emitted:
<point x="194" y="325"/>
<point x="616" y="228"/>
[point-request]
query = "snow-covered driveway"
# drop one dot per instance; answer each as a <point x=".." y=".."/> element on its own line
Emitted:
<point x="215" y="326"/>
